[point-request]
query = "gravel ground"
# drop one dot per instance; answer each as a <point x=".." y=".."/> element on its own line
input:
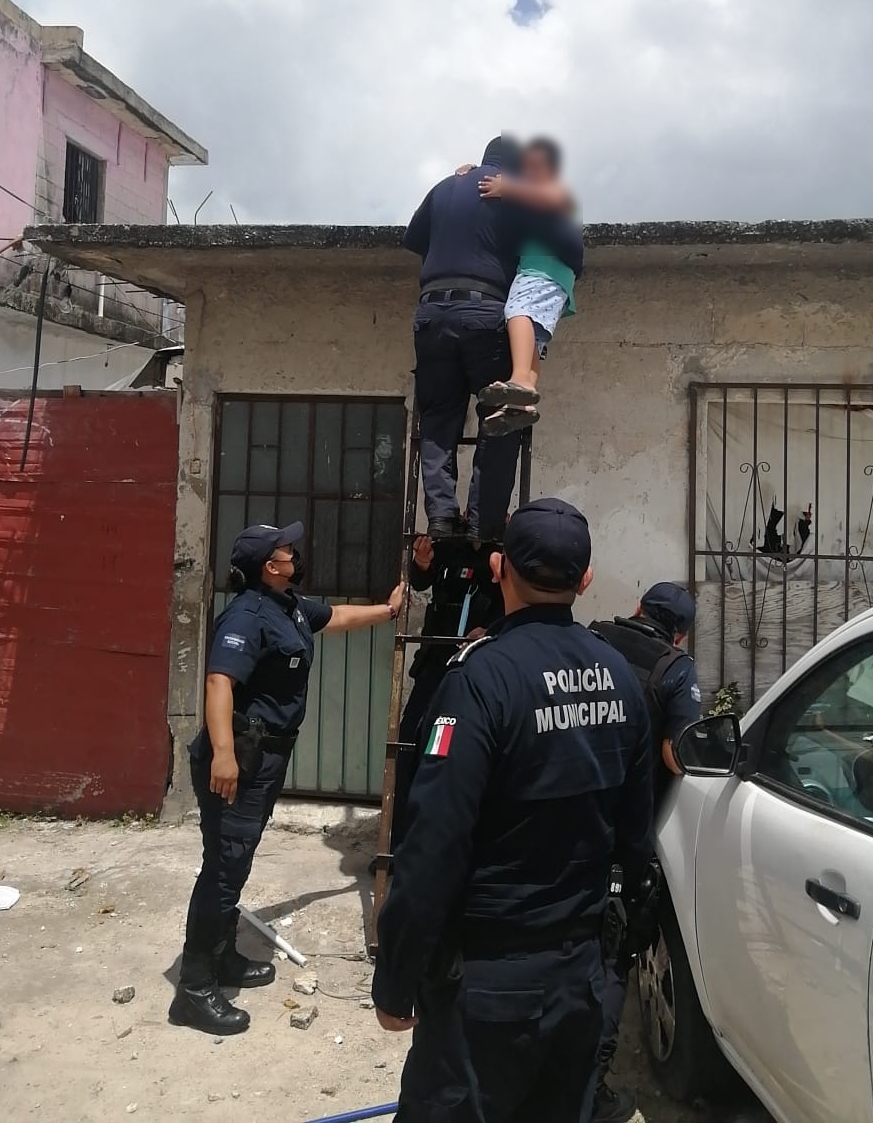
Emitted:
<point x="102" y="907"/>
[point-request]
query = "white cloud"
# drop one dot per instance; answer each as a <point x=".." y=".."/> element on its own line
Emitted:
<point x="346" y="110"/>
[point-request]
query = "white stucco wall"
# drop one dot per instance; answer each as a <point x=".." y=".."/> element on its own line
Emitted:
<point x="614" y="434"/>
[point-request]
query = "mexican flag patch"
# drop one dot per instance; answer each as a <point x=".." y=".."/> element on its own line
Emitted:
<point x="440" y="737"/>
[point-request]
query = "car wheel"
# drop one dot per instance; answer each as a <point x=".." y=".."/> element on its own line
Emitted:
<point x="682" y="1049"/>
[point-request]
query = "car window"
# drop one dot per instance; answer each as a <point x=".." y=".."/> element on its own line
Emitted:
<point x="819" y="739"/>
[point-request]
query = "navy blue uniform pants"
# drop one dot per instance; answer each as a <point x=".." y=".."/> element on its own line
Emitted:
<point x="460" y="348"/>
<point x="507" y="1041"/>
<point x="231" y="833"/>
<point x="614" y="998"/>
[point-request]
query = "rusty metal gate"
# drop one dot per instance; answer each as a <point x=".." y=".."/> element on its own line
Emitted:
<point x="337" y="464"/>
<point x="780" y="537"/>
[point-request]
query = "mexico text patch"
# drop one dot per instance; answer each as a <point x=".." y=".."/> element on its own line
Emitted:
<point x="440" y="737"/>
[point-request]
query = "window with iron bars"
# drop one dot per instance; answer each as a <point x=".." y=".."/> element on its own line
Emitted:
<point x="781" y="524"/>
<point x="336" y="464"/>
<point x="82" y="186"/>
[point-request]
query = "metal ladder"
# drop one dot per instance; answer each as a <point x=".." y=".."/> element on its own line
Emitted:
<point x="402" y="641"/>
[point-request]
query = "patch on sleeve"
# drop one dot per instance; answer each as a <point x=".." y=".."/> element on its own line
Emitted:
<point x="695" y="692"/>
<point x="440" y="737"/>
<point x="234" y="642"/>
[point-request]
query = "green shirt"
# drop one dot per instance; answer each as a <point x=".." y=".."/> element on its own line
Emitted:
<point x="537" y="261"/>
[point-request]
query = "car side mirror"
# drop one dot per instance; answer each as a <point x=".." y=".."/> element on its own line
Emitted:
<point x="710" y="747"/>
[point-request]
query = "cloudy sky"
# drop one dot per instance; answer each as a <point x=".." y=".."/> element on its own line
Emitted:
<point x="347" y="110"/>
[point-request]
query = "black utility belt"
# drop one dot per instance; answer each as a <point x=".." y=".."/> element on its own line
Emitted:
<point x="458" y="288"/>
<point x="477" y="942"/>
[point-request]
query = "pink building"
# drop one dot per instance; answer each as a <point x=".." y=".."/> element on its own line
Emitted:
<point x="77" y="146"/>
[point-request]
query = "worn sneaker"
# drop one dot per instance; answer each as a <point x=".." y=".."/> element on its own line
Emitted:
<point x="614" y="1105"/>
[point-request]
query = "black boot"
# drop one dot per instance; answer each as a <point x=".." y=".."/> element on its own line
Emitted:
<point x="612" y="1105"/>
<point x="233" y="969"/>
<point x="200" y="1004"/>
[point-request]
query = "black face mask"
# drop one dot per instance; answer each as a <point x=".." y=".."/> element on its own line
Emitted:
<point x="299" y="568"/>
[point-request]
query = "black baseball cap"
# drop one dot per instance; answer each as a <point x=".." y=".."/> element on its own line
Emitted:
<point x="671" y="605"/>
<point x="256" y="544"/>
<point x="548" y="544"/>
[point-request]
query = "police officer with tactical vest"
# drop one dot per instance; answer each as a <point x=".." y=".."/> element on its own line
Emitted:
<point x="650" y="641"/>
<point x="536" y="772"/>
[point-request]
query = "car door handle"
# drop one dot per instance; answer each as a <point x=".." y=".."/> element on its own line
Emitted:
<point x="830" y="899"/>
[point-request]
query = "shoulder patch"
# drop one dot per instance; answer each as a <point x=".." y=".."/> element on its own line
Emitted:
<point x="695" y="692"/>
<point x="463" y="655"/>
<point x="234" y="642"/>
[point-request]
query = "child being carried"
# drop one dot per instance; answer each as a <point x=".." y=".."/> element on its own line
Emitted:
<point x="541" y="294"/>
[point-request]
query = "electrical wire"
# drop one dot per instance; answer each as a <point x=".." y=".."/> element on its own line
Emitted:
<point x="18" y="199"/>
<point x="95" y="355"/>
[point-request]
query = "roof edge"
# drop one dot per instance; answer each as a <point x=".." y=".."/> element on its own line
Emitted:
<point x="706" y="233"/>
<point x="64" y="52"/>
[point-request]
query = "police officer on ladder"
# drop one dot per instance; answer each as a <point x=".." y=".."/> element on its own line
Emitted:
<point x="255" y="702"/>
<point x="465" y="600"/>
<point x="469" y="249"/>
<point x="536" y="771"/>
<point x="650" y="642"/>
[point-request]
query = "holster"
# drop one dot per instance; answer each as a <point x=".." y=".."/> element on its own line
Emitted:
<point x="247" y="736"/>
<point x="642" y="916"/>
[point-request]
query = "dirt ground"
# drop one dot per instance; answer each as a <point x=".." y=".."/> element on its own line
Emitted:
<point x="70" y="1054"/>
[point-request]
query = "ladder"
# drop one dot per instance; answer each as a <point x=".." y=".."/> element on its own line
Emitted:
<point x="402" y="641"/>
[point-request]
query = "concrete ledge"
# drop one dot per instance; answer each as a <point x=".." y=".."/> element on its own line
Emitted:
<point x="346" y="820"/>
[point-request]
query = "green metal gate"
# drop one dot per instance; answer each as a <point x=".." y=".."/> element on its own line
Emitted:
<point x="338" y="465"/>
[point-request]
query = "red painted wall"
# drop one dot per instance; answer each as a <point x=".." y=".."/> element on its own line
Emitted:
<point x="86" y="572"/>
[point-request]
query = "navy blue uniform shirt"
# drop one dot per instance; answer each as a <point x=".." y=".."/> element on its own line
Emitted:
<point x="678" y="695"/>
<point x="263" y="640"/>
<point x="459" y="234"/>
<point x="536" y="776"/>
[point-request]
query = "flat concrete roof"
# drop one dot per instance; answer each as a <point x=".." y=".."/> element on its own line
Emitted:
<point x="163" y="258"/>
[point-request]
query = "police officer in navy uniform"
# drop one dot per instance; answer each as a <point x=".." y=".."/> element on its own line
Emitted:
<point x="536" y="771"/>
<point x="650" y="641"/>
<point x="465" y="600"/>
<point x="469" y="248"/>
<point x="256" y="685"/>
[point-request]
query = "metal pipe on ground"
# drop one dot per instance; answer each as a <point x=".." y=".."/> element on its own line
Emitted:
<point x="362" y="1113"/>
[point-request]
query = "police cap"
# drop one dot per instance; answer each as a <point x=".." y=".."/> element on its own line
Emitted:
<point x="548" y="544"/>
<point x="255" y="545"/>
<point x="671" y="605"/>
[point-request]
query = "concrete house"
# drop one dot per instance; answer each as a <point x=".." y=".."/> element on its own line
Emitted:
<point x="77" y="145"/>
<point x="710" y="408"/>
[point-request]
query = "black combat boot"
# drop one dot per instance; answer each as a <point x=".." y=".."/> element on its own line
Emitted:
<point x="233" y="969"/>
<point x="200" y="1004"/>
<point x="611" y="1105"/>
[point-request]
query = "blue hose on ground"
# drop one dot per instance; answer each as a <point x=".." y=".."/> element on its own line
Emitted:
<point x="361" y="1113"/>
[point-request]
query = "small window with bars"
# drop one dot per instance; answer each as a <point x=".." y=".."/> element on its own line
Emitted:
<point x="82" y="184"/>
<point x="336" y="464"/>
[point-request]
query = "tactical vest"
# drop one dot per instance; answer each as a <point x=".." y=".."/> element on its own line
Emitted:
<point x="650" y="657"/>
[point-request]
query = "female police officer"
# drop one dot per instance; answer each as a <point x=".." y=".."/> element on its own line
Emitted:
<point x="255" y="688"/>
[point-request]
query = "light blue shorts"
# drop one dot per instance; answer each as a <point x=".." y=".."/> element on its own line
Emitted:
<point x="542" y="301"/>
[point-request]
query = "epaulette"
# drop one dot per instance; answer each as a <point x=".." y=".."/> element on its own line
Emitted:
<point x="461" y="656"/>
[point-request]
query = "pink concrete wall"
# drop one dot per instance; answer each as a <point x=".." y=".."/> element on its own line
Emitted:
<point x="136" y="170"/>
<point x="20" y="107"/>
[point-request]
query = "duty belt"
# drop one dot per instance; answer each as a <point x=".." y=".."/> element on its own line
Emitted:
<point x="449" y="289"/>
<point x="283" y="745"/>
<point x="484" y="941"/>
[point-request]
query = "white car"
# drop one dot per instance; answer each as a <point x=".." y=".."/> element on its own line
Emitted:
<point x="766" y="927"/>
